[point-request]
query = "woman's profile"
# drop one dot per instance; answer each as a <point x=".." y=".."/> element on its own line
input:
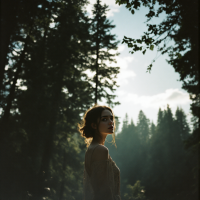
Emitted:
<point x="101" y="175"/>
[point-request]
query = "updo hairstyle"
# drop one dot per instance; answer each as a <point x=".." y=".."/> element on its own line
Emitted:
<point x="91" y="116"/>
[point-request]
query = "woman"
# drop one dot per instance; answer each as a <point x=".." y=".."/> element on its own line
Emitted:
<point x="101" y="175"/>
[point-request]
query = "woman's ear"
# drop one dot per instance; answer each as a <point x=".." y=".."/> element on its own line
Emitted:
<point x="93" y="125"/>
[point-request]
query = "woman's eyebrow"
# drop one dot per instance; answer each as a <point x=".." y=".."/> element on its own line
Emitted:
<point x="107" y="116"/>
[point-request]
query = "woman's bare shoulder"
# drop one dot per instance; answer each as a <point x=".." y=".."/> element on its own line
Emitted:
<point x="100" y="153"/>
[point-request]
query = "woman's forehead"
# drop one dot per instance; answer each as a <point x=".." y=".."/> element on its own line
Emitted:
<point x="106" y="113"/>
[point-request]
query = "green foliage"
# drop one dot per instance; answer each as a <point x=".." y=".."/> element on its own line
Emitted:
<point x="143" y="127"/>
<point x="135" y="192"/>
<point x="45" y="90"/>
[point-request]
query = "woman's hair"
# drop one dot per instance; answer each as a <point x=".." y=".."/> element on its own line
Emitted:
<point x="91" y="116"/>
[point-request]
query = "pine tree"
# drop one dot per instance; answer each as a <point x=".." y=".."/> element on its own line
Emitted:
<point x="125" y="122"/>
<point x="143" y="127"/>
<point x="18" y="24"/>
<point x="48" y="110"/>
<point x="102" y="42"/>
<point x="162" y="164"/>
<point x="152" y="129"/>
<point x="182" y="124"/>
<point x="65" y="90"/>
<point x="167" y="156"/>
<point x="157" y="157"/>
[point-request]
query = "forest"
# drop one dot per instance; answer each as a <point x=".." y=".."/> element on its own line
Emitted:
<point x="152" y="159"/>
<point x="49" y="49"/>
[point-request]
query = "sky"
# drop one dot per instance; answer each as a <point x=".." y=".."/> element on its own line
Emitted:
<point x="138" y="89"/>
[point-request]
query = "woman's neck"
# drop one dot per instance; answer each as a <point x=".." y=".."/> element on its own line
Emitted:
<point x="99" y="140"/>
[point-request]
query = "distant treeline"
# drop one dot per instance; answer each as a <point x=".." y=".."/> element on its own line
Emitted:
<point x="152" y="159"/>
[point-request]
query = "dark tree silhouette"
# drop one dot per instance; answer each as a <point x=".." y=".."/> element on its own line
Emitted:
<point x="102" y="42"/>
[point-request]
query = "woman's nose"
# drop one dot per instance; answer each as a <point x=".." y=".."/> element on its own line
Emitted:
<point x="111" y="122"/>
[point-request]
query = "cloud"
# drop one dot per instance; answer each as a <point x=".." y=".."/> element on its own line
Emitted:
<point x="121" y="48"/>
<point x="125" y="73"/>
<point x="111" y="3"/>
<point x="173" y="97"/>
<point x="123" y="62"/>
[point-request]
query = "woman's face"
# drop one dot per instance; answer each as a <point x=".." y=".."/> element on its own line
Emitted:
<point x="106" y="123"/>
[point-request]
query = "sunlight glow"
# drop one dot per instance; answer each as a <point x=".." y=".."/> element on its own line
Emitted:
<point x="111" y="3"/>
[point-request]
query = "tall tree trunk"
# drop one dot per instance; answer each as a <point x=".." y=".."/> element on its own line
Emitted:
<point x="63" y="178"/>
<point x="38" y="190"/>
<point x="44" y="172"/>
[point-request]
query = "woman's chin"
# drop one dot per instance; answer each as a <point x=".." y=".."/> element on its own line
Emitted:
<point x="111" y="132"/>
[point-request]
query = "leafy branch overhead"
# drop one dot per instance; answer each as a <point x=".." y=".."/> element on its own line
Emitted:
<point x="176" y="26"/>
